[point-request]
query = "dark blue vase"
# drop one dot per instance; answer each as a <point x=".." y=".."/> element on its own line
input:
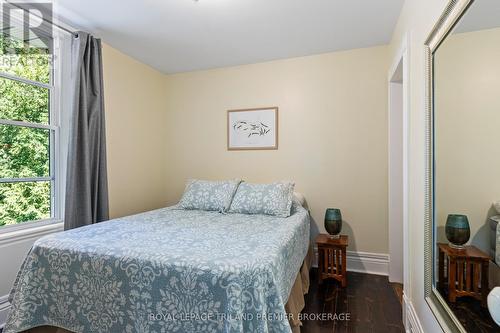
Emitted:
<point x="333" y="221"/>
<point x="457" y="230"/>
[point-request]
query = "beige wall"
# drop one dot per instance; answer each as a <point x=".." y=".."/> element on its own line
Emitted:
<point x="136" y="134"/>
<point x="332" y="135"/>
<point x="467" y="76"/>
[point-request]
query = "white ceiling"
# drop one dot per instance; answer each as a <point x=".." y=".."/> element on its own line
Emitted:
<point x="482" y="14"/>
<point x="185" y="35"/>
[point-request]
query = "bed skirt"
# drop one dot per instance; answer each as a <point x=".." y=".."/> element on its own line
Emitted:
<point x="293" y="306"/>
<point x="296" y="301"/>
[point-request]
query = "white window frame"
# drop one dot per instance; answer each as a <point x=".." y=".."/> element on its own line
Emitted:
<point x="56" y="169"/>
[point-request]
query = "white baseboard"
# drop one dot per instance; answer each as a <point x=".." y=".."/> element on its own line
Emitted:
<point x="4" y="309"/>
<point x="411" y="321"/>
<point x="364" y="262"/>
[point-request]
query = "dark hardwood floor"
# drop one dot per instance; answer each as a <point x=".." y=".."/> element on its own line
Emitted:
<point x="473" y="317"/>
<point x="369" y="300"/>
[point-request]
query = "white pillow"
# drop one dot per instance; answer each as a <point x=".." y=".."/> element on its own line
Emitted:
<point x="268" y="199"/>
<point x="208" y="195"/>
<point x="496" y="204"/>
<point x="299" y="197"/>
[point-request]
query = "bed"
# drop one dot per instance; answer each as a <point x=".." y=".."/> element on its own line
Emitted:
<point x="163" y="271"/>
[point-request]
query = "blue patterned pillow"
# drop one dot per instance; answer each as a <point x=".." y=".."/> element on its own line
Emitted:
<point x="268" y="199"/>
<point x="208" y="195"/>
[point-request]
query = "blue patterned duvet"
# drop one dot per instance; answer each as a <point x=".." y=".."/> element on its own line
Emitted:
<point x="167" y="270"/>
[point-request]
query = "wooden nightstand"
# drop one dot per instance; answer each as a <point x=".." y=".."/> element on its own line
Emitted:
<point x="332" y="261"/>
<point x="467" y="272"/>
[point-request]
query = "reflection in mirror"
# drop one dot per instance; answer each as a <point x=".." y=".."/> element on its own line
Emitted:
<point x="467" y="165"/>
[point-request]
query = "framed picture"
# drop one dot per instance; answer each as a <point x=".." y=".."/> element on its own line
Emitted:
<point x="252" y="129"/>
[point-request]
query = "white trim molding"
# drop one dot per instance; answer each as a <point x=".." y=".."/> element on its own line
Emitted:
<point x="402" y="58"/>
<point x="363" y="262"/>
<point x="19" y="235"/>
<point x="411" y="321"/>
<point x="367" y="262"/>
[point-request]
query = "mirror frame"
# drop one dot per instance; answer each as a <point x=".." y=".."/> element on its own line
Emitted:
<point x="450" y="17"/>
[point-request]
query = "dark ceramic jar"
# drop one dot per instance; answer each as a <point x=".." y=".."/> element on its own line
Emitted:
<point x="333" y="221"/>
<point x="457" y="230"/>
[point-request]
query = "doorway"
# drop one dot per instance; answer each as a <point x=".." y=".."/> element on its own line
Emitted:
<point x="398" y="117"/>
<point x="396" y="175"/>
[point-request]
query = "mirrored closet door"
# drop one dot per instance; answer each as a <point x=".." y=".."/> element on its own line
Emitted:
<point x="465" y="166"/>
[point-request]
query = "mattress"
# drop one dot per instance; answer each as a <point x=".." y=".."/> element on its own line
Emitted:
<point x="162" y="271"/>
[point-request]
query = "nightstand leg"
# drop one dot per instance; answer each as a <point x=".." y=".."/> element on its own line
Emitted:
<point x="441" y="270"/>
<point x="484" y="282"/>
<point x="320" y="265"/>
<point x="452" y="269"/>
<point x="344" y="268"/>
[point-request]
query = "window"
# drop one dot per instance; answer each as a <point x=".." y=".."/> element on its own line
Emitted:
<point x="29" y="131"/>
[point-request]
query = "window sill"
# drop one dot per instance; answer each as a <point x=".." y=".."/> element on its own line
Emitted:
<point x="29" y="232"/>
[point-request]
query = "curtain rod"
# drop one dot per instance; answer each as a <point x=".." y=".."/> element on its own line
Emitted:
<point x="74" y="33"/>
<point x="71" y="32"/>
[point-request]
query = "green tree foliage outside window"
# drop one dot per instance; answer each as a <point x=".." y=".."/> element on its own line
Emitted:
<point x="24" y="151"/>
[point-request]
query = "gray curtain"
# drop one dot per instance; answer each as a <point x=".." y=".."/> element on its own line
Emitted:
<point x="87" y="181"/>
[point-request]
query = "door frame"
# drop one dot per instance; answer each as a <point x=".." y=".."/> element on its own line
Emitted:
<point x="402" y="57"/>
